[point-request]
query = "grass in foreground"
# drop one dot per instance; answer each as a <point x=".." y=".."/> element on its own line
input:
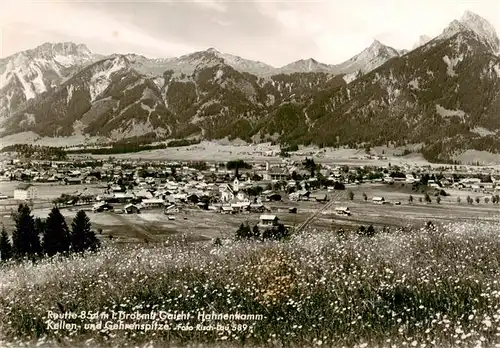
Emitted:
<point x="424" y="288"/>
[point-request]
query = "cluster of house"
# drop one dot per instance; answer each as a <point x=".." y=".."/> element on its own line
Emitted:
<point x="213" y="187"/>
<point x="226" y="198"/>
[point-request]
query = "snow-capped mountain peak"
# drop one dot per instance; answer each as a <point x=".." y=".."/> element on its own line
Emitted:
<point x="26" y="74"/>
<point x="472" y="22"/>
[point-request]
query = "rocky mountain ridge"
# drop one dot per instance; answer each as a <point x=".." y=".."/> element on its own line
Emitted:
<point x="444" y="94"/>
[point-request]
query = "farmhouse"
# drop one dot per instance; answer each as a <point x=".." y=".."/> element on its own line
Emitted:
<point x="91" y="179"/>
<point x="227" y="210"/>
<point x="378" y="200"/>
<point x="268" y="221"/>
<point x="319" y="197"/>
<point x="342" y="211"/>
<point x="278" y="175"/>
<point x="25" y="192"/>
<point x="257" y="207"/>
<point x="101" y="206"/>
<point x="132" y="209"/>
<point x="73" y="181"/>
<point x="153" y="203"/>
<point x="170" y="209"/>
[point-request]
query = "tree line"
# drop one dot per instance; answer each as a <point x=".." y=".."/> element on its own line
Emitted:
<point x="37" y="152"/>
<point x="277" y="232"/>
<point x="34" y="238"/>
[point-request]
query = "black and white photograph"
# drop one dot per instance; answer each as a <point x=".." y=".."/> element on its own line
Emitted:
<point x="258" y="173"/>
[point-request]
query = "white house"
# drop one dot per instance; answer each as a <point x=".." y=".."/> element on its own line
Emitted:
<point x="25" y="192"/>
<point x="342" y="211"/>
<point x="378" y="200"/>
<point x="153" y="202"/>
<point x="268" y="221"/>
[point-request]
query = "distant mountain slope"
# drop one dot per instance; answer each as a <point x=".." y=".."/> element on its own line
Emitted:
<point x="444" y="94"/>
<point x="441" y="93"/>
<point x="189" y="62"/>
<point x="28" y="74"/>
<point x="111" y="98"/>
<point x="368" y="59"/>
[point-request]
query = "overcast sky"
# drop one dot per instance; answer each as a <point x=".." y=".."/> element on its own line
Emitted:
<point x="275" y="32"/>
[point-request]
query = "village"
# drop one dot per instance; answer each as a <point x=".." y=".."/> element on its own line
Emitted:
<point x="133" y="200"/>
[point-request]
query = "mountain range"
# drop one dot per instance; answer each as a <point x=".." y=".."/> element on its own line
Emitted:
<point x="444" y="94"/>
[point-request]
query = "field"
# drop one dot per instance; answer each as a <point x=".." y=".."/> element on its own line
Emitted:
<point x="225" y="151"/>
<point x="420" y="288"/>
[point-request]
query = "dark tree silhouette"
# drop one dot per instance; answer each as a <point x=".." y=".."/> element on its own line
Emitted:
<point x="56" y="238"/>
<point x="370" y="231"/>
<point x="310" y="165"/>
<point x="350" y="194"/>
<point x="40" y="225"/>
<point x="25" y="238"/>
<point x="82" y="236"/>
<point x="5" y="246"/>
<point x="255" y="232"/>
<point x="243" y="232"/>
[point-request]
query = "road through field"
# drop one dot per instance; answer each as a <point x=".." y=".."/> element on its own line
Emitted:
<point x="328" y="205"/>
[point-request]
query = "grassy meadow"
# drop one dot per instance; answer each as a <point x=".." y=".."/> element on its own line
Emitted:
<point x="420" y="288"/>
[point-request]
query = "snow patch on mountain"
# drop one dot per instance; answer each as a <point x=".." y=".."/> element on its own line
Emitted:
<point x="218" y="74"/>
<point x="37" y="81"/>
<point x="496" y="68"/>
<point x="147" y="108"/>
<point x="102" y="79"/>
<point x="414" y="84"/>
<point x="27" y="89"/>
<point x="348" y="78"/>
<point x="69" y="90"/>
<point x="482" y="131"/>
<point x="452" y="63"/>
<point x="159" y="82"/>
<point x="446" y="113"/>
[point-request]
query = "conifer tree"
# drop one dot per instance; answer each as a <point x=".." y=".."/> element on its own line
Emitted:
<point x="56" y="238"/>
<point x="255" y="232"/>
<point x="82" y="236"/>
<point x="25" y="238"/>
<point x="243" y="232"/>
<point x="5" y="246"/>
